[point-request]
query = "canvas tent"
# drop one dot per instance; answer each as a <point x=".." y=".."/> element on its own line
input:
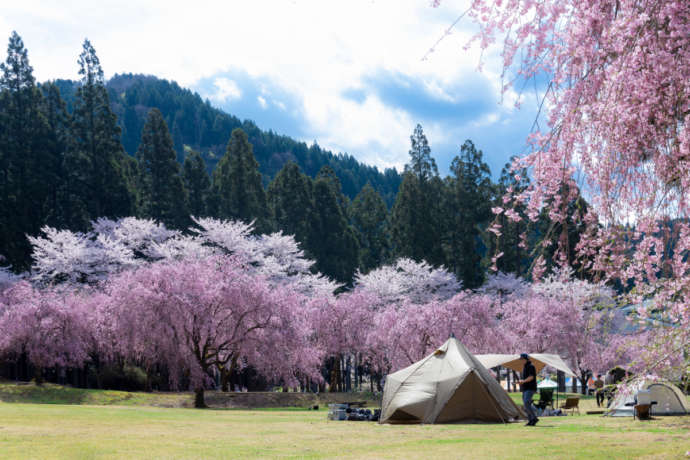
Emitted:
<point x="449" y="385"/>
<point x="669" y="399"/>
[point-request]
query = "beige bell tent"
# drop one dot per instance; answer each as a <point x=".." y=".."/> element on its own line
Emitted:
<point x="449" y="385"/>
<point x="669" y="399"/>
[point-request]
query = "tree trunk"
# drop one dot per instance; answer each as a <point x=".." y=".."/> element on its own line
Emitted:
<point x="584" y="375"/>
<point x="38" y="375"/>
<point x="224" y="379"/>
<point x="199" y="401"/>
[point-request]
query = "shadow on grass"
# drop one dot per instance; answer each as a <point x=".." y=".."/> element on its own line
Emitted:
<point x="49" y="393"/>
<point x="29" y="392"/>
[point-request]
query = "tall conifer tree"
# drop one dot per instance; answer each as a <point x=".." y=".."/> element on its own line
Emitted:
<point x="25" y="158"/>
<point x="469" y="197"/>
<point x="161" y="195"/>
<point x="369" y="216"/>
<point x="332" y="242"/>
<point x="237" y="184"/>
<point x="290" y="199"/>
<point x="58" y="141"/>
<point x="97" y="159"/>
<point x="416" y="217"/>
<point x="197" y="183"/>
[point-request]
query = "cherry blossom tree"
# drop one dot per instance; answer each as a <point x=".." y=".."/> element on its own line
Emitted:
<point x="502" y="285"/>
<point x="618" y="124"/>
<point x="49" y="327"/>
<point x="562" y="315"/>
<point x="7" y="279"/>
<point x="416" y="282"/>
<point x="406" y="333"/>
<point x="341" y="328"/>
<point x="197" y="316"/>
<point x="114" y="246"/>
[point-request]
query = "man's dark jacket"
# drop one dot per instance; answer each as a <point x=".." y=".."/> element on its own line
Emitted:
<point x="526" y="372"/>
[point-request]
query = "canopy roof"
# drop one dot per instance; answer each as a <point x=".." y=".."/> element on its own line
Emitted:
<point x="514" y="362"/>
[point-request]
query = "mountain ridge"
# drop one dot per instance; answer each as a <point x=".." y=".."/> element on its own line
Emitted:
<point x="195" y="124"/>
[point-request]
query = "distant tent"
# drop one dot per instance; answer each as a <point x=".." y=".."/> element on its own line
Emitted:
<point x="547" y="383"/>
<point x="669" y="399"/>
<point x="449" y="385"/>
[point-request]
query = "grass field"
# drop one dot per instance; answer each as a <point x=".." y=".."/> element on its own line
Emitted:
<point x="30" y="430"/>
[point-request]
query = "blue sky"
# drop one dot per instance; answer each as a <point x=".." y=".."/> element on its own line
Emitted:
<point x="348" y="75"/>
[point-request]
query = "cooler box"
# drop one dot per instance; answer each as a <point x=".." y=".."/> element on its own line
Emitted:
<point x="337" y="412"/>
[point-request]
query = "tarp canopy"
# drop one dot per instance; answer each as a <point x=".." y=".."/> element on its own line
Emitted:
<point x="449" y="385"/>
<point x="514" y="362"/>
<point x="669" y="399"/>
<point x="547" y="383"/>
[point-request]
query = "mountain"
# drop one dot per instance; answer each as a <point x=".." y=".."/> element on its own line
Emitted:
<point x="196" y="124"/>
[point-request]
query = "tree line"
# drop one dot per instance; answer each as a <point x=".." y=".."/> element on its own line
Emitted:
<point x="63" y="164"/>
<point x="134" y="305"/>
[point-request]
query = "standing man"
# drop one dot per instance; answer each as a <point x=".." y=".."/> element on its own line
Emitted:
<point x="528" y="386"/>
<point x="599" y="390"/>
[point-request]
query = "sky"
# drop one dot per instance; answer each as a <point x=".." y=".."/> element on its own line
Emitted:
<point x="355" y="76"/>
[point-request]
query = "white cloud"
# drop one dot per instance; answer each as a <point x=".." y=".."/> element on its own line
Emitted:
<point x="227" y="90"/>
<point x="310" y="48"/>
<point x="262" y="101"/>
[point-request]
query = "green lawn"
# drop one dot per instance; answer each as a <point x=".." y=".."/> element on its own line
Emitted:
<point x="30" y="430"/>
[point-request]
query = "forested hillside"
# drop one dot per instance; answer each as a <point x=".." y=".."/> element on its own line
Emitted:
<point x="196" y="124"/>
<point x="74" y="152"/>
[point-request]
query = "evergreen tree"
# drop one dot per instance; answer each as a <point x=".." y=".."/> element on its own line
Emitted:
<point x="515" y="257"/>
<point x="97" y="159"/>
<point x="197" y="183"/>
<point x="328" y="174"/>
<point x="332" y="242"/>
<point x="416" y="217"/>
<point x="26" y="160"/>
<point x="468" y="211"/>
<point x="160" y="191"/>
<point x="290" y="200"/>
<point x="237" y="184"/>
<point x="369" y="215"/>
<point x="59" y="121"/>
<point x="421" y="164"/>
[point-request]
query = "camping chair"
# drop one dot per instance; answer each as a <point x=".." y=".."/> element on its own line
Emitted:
<point x="643" y="405"/>
<point x="545" y="398"/>
<point x="642" y="411"/>
<point x="571" y="404"/>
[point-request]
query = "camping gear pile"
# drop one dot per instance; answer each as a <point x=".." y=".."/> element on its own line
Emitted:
<point x="348" y="411"/>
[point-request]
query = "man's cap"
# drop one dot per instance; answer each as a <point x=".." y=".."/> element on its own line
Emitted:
<point x="524" y="356"/>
